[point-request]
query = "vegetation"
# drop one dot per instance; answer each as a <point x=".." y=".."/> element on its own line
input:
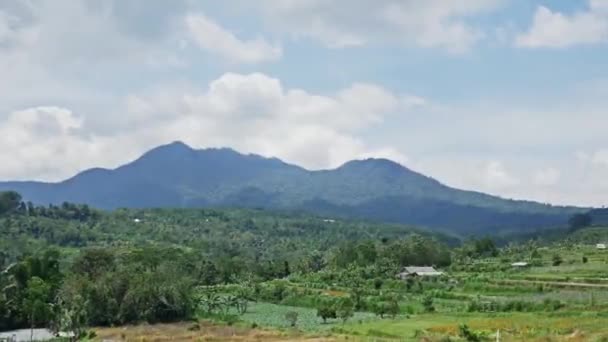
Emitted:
<point x="70" y="268"/>
<point x="176" y="175"/>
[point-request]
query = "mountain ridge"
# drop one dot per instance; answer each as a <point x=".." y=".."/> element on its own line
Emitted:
<point x="177" y="175"/>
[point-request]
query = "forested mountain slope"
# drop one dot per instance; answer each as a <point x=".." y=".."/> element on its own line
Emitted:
<point x="176" y="175"/>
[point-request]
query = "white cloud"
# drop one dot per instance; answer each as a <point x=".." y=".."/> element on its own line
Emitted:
<point x="600" y="158"/>
<point x="346" y="23"/>
<point x="59" y="50"/>
<point x="557" y="30"/>
<point x="6" y="29"/>
<point x="496" y="176"/>
<point x="41" y="141"/>
<point x="249" y="112"/>
<point x="210" y="36"/>
<point x="547" y="177"/>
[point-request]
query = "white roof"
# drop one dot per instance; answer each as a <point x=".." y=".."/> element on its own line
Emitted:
<point x="519" y="263"/>
<point x="421" y="270"/>
<point x="601" y="245"/>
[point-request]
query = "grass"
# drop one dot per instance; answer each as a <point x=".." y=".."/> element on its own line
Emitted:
<point x="272" y="315"/>
<point x="513" y="326"/>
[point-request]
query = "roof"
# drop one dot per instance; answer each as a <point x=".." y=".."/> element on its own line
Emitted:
<point x="424" y="270"/>
<point x="519" y="264"/>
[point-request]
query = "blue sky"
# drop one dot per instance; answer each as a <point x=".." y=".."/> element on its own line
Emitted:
<point x="502" y="96"/>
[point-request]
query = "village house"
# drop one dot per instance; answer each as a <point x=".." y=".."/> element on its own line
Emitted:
<point x="520" y="264"/>
<point x="417" y="271"/>
<point x="600" y="246"/>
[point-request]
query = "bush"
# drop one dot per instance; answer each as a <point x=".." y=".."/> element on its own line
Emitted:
<point x="465" y="332"/>
<point x="557" y="260"/>
<point x="326" y="310"/>
<point x="292" y="318"/>
<point x="345" y="309"/>
<point x="427" y="304"/>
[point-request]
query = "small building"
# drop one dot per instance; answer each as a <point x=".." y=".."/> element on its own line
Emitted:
<point x="418" y="271"/>
<point x="520" y="264"/>
<point x="600" y="246"/>
<point x="136" y="220"/>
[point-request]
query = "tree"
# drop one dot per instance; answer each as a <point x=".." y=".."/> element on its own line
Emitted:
<point x="579" y="221"/>
<point x="485" y="247"/>
<point x="427" y="303"/>
<point x="380" y="308"/>
<point x="357" y="293"/>
<point x="9" y="201"/>
<point x="585" y="259"/>
<point x="316" y="261"/>
<point x="292" y="318"/>
<point x="36" y="302"/>
<point x="345" y="309"/>
<point x="557" y="260"/>
<point x="326" y="310"/>
<point x="243" y="297"/>
<point x="72" y="314"/>
<point x="393" y="307"/>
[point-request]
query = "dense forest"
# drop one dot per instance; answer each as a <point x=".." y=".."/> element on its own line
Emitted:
<point x="71" y="266"/>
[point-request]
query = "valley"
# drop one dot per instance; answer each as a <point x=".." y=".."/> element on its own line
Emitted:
<point x="245" y="274"/>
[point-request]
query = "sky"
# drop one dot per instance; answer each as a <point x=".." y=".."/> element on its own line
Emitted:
<point x="507" y="97"/>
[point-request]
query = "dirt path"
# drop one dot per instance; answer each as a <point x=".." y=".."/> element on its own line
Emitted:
<point x="205" y="331"/>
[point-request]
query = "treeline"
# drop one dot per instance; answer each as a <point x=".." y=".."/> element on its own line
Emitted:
<point x="11" y="203"/>
<point x="413" y="250"/>
<point x="97" y="287"/>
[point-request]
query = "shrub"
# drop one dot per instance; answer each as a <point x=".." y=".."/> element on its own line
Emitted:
<point x="427" y="304"/>
<point x="557" y="260"/>
<point x="292" y="318"/>
<point x="345" y="309"/>
<point x="326" y="310"/>
<point x="465" y="332"/>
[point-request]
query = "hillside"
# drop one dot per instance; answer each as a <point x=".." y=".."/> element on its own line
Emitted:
<point x="176" y="175"/>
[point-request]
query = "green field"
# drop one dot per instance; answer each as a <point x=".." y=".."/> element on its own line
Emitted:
<point x="273" y="315"/>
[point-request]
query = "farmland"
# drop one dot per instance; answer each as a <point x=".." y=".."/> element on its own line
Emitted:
<point x="568" y="301"/>
<point x="238" y="275"/>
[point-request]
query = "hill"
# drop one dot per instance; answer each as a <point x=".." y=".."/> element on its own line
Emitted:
<point x="176" y="175"/>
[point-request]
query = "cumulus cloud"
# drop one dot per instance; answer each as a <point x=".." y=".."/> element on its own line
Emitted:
<point x="338" y="24"/>
<point x="250" y="112"/>
<point x="41" y="141"/>
<point x="558" y="30"/>
<point x="210" y="36"/>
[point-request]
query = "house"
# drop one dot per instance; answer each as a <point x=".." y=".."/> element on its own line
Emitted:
<point x="417" y="271"/>
<point x="136" y="220"/>
<point x="520" y="264"/>
<point x="600" y="246"/>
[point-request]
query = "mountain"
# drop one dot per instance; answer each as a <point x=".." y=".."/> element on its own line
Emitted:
<point x="176" y="175"/>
